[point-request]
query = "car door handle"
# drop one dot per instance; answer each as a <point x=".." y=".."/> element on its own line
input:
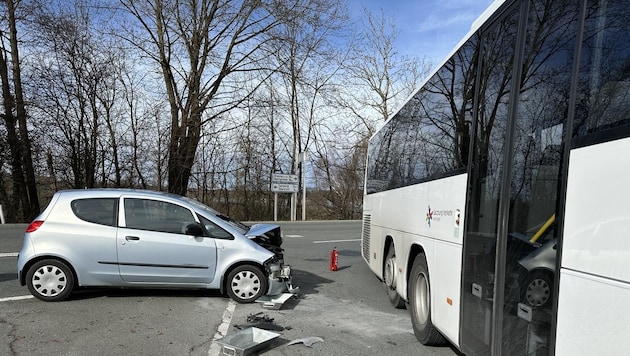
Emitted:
<point x="132" y="238"/>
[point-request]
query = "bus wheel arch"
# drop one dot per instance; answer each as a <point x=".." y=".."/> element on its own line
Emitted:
<point x="419" y="296"/>
<point x="390" y="273"/>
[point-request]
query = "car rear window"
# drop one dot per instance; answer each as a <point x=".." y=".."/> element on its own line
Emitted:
<point x="96" y="210"/>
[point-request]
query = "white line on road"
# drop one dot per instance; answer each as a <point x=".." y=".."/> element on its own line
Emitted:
<point x="10" y="254"/>
<point x="293" y="236"/>
<point x="327" y="241"/>
<point x="222" y="329"/>
<point x="22" y="297"/>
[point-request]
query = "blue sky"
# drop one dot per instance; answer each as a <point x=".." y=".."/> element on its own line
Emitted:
<point x="427" y="28"/>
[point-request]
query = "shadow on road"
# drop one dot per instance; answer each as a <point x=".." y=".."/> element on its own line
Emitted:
<point x="349" y="253"/>
<point x="8" y="277"/>
<point x="90" y="293"/>
<point x="307" y="281"/>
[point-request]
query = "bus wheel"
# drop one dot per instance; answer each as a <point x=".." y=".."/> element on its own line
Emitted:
<point x="420" y="303"/>
<point x="389" y="278"/>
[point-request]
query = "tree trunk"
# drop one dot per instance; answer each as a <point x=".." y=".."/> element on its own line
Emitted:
<point x="31" y="210"/>
<point x="182" y="152"/>
<point x="19" y="202"/>
<point x="31" y="207"/>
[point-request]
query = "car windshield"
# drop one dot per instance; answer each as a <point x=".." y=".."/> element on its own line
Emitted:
<point x="237" y="224"/>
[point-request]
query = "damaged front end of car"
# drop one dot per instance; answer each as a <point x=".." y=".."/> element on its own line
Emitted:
<point x="280" y="278"/>
<point x="279" y="274"/>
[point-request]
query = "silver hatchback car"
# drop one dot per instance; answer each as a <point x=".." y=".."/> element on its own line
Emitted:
<point x="138" y="238"/>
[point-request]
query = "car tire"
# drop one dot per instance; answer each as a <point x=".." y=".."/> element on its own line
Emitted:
<point x="389" y="278"/>
<point x="538" y="289"/>
<point x="420" y="303"/>
<point x="246" y="283"/>
<point x="50" y="280"/>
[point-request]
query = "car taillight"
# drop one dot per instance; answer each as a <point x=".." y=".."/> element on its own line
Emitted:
<point x="34" y="225"/>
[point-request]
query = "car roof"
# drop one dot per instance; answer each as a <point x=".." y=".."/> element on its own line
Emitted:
<point x="115" y="192"/>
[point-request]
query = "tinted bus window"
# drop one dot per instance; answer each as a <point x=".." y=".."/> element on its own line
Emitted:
<point x="604" y="80"/>
<point x="429" y="137"/>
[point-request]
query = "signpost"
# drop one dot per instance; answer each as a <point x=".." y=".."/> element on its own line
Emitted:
<point x="284" y="183"/>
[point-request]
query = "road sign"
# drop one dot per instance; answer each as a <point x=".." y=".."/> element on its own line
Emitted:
<point x="284" y="178"/>
<point x="284" y="188"/>
<point x="284" y="183"/>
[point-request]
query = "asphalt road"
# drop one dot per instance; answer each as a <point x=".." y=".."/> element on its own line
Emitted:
<point x="347" y="310"/>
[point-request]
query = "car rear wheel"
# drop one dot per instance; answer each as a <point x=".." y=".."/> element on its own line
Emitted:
<point x="389" y="278"/>
<point x="246" y="283"/>
<point x="420" y="303"/>
<point x="50" y="280"/>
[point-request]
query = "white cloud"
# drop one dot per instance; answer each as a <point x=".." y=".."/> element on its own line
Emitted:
<point x="428" y="28"/>
<point x="456" y="22"/>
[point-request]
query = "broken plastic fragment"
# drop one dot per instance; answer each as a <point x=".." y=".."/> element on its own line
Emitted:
<point x="308" y="341"/>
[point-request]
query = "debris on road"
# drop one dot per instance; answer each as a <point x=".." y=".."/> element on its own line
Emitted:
<point x="274" y="301"/>
<point x="308" y="341"/>
<point x="260" y="321"/>
<point x="246" y="342"/>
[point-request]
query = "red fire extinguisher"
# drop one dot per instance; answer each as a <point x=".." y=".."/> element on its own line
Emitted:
<point x="334" y="256"/>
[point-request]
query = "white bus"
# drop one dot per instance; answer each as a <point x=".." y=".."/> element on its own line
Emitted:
<point x="497" y="199"/>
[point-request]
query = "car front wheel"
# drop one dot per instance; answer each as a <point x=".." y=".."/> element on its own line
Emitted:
<point x="50" y="280"/>
<point x="246" y="283"/>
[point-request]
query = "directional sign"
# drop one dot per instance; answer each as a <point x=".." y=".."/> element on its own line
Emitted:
<point x="284" y="178"/>
<point x="284" y="188"/>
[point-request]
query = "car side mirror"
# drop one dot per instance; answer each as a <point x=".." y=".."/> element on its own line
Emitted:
<point x="194" y="229"/>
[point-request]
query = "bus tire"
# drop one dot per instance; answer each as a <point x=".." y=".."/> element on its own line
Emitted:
<point x="390" y="270"/>
<point x="420" y="303"/>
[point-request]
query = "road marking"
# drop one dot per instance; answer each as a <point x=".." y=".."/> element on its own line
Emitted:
<point x="22" y="297"/>
<point x="327" y="241"/>
<point x="293" y="236"/>
<point x="222" y="330"/>
<point x="10" y="254"/>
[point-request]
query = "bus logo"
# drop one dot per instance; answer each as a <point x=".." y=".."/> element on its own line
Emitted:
<point x="429" y="217"/>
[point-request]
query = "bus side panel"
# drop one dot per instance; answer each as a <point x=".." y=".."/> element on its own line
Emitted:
<point x="373" y="255"/>
<point x="446" y="300"/>
<point x="429" y="216"/>
<point x="591" y="315"/>
<point x="597" y="222"/>
<point x="434" y="209"/>
<point x="392" y="213"/>
<point x="595" y="273"/>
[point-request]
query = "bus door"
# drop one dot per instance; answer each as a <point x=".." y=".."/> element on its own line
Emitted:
<point x="510" y="246"/>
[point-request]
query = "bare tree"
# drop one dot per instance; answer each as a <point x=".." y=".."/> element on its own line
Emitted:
<point x="381" y="78"/>
<point x="376" y="80"/>
<point x="309" y="63"/>
<point x="199" y="46"/>
<point x="25" y="197"/>
<point x="76" y="96"/>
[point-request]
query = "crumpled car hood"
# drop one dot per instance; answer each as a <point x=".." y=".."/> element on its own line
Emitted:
<point x="268" y="234"/>
<point x="260" y="229"/>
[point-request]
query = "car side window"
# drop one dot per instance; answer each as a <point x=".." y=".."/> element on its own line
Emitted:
<point x="214" y="230"/>
<point x="96" y="210"/>
<point x="155" y="215"/>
